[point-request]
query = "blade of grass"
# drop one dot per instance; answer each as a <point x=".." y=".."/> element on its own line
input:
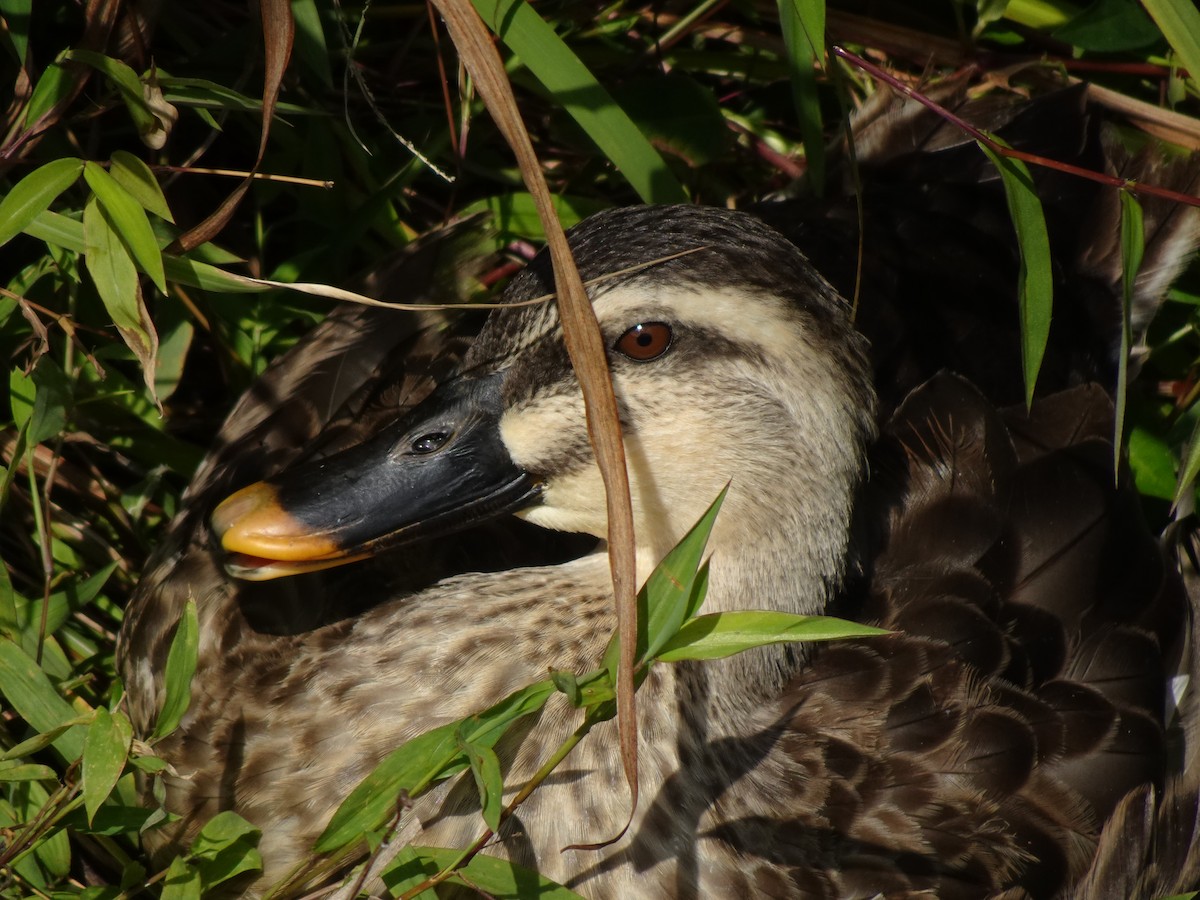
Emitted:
<point x="557" y="67"/>
<point x="803" y="24"/>
<point x="1133" y="246"/>
<point x="1180" y="24"/>
<point x="1035" y="280"/>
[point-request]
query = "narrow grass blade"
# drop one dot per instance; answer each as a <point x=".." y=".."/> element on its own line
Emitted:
<point x="1188" y="472"/>
<point x="1035" y="284"/>
<point x="718" y="635"/>
<point x="1180" y="24"/>
<point x="1133" y="247"/>
<point x="557" y="67"/>
<point x="803" y="24"/>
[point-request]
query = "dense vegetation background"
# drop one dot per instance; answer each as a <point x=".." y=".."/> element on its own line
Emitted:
<point x="126" y="145"/>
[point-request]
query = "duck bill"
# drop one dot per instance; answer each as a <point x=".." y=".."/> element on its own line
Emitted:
<point x="440" y="469"/>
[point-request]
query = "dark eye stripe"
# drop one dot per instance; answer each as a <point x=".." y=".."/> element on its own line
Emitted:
<point x="645" y="341"/>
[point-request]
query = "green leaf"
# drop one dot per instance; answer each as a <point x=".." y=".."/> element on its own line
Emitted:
<point x="418" y="763"/>
<point x="8" y="597"/>
<point x="221" y="831"/>
<point x="104" y="753"/>
<point x="718" y="635"/>
<point x="182" y="882"/>
<point x="128" y="219"/>
<point x="1191" y="467"/>
<point x="515" y="214"/>
<point x="62" y="602"/>
<point x="1133" y="247"/>
<point x="39" y="400"/>
<point x="108" y="262"/>
<point x="1180" y="24"/>
<point x="54" y="850"/>
<point x="566" y="683"/>
<point x="67" y="233"/>
<point x="35" y="699"/>
<point x="1109" y="26"/>
<point x="487" y="874"/>
<point x="128" y="85"/>
<point x="310" y="41"/>
<point x="1035" y="285"/>
<point x="53" y="87"/>
<point x="34" y="193"/>
<point x="679" y="115"/>
<point x="16" y="771"/>
<point x="43" y="740"/>
<point x="1154" y="464"/>
<point x="135" y="176"/>
<point x="39" y="409"/>
<point x="485" y="768"/>
<point x="226" y="847"/>
<point x="181" y="666"/>
<point x="557" y="67"/>
<point x="803" y="24"/>
<point x="404" y="770"/>
<point x="407" y="871"/>
<point x="16" y="15"/>
<point x="667" y="593"/>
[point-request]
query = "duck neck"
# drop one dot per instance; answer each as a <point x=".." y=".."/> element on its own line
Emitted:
<point x="778" y="551"/>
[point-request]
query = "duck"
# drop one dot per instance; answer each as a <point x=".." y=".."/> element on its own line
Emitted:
<point x="400" y="525"/>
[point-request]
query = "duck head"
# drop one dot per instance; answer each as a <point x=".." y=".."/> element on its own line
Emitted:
<point x="732" y="361"/>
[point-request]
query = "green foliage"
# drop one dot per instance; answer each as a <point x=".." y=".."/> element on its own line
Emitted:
<point x="1035" y="285"/>
<point x="670" y="631"/>
<point x="126" y="350"/>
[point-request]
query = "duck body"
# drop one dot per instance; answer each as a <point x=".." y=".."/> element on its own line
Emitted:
<point x="1016" y="735"/>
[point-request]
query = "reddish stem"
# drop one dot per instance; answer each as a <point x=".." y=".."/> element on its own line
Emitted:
<point x="1111" y="180"/>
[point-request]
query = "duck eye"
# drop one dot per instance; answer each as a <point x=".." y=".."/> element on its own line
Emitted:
<point x="428" y="443"/>
<point x="645" y="342"/>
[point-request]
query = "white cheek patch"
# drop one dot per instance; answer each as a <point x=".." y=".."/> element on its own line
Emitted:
<point x="540" y="432"/>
